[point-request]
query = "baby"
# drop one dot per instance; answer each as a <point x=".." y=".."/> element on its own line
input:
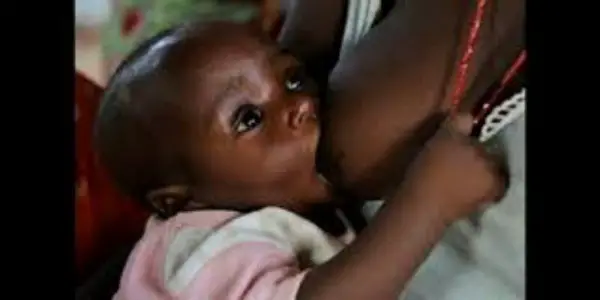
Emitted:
<point x="215" y="129"/>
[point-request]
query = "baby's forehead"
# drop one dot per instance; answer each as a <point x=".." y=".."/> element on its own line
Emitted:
<point x="223" y="64"/>
<point x="217" y="66"/>
<point x="224" y="45"/>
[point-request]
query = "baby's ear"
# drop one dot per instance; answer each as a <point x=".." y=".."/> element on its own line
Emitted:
<point x="168" y="201"/>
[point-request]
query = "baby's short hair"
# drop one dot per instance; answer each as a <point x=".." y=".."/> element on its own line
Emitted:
<point x="137" y="126"/>
<point x="142" y="128"/>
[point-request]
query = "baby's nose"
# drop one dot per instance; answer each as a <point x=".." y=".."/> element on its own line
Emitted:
<point x="301" y="112"/>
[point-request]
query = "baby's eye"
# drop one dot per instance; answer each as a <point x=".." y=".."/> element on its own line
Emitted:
<point x="247" y="118"/>
<point x="296" y="80"/>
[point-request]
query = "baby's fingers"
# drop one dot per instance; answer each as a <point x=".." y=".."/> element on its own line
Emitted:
<point x="460" y="123"/>
<point x="495" y="161"/>
<point x="497" y="165"/>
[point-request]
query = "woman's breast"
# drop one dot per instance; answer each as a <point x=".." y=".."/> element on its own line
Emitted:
<point x="366" y="145"/>
<point x="387" y="96"/>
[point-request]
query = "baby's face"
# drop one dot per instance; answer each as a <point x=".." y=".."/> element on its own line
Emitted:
<point x="255" y="119"/>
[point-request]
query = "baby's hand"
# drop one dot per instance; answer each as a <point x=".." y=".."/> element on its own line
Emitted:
<point x="453" y="174"/>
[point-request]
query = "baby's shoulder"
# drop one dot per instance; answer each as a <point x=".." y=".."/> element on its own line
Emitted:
<point x="224" y="255"/>
<point x="193" y="234"/>
<point x="200" y="250"/>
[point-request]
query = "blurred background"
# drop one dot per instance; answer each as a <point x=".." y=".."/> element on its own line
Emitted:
<point x="90" y="16"/>
<point x="106" y="30"/>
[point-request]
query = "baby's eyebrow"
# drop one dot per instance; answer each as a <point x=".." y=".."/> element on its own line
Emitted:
<point x="233" y="85"/>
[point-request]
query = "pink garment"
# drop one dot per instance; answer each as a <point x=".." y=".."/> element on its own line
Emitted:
<point x="224" y="255"/>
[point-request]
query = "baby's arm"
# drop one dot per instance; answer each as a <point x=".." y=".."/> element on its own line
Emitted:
<point x="383" y="258"/>
<point x="449" y="179"/>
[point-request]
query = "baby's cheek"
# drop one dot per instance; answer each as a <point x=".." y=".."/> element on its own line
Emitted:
<point x="284" y="156"/>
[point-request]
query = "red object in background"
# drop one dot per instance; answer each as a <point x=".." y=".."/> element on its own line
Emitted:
<point x="131" y="20"/>
<point x="104" y="219"/>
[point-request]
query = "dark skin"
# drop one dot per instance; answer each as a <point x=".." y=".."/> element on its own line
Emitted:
<point x="398" y="80"/>
<point x="259" y="127"/>
<point x="412" y="220"/>
<point x="244" y="116"/>
<point x="242" y="123"/>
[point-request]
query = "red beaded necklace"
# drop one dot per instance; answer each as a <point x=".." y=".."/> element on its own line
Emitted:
<point x="512" y="71"/>
<point x="463" y="67"/>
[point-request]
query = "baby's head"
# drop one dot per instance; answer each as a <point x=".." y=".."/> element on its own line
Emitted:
<point x="211" y="115"/>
